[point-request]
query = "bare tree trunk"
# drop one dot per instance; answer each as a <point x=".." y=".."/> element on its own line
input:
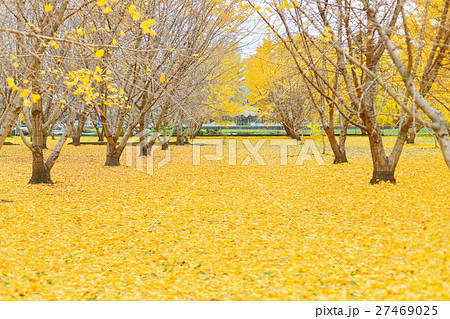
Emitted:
<point x="383" y="168"/>
<point x="180" y="136"/>
<point x="338" y="149"/>
<point x="343" y="139"/>
<point x="7" y="123"/>
<point x="40" y="173"/>
<point x="44" y="139"/>
<point x="100" y="132"/>
<point x="194" y="130"/>
<point x="413" y="134"/>
<point x="166" y="139"/>
<point x="113" y="158"/>
<point x="290" y="131"/>
<point x="76" y="136"/>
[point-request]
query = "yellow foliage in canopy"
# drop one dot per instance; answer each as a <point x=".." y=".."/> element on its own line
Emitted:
<point x="225" y="93"/>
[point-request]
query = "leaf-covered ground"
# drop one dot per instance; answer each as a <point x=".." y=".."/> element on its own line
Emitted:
<point x="221" y="232"/>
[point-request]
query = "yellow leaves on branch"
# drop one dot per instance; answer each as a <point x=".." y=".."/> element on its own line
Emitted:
<point x="35" y="98"/>
<point x="146" y="25"/>
<point x="99" y="53"/>
<point x="135" y="14"/>
<point x="85" y="83"/>
<point x="54" y="44"/>
<point x="24" y="93"/>
<point x="162" y="78"/>
<point x="132" y="9"/>
<point x="10" y="82"/>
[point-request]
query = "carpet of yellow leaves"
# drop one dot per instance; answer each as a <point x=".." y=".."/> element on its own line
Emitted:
<point x="220" y="232"/>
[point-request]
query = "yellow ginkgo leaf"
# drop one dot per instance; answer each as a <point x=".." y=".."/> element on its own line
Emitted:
<point x="99" y="54"/>
<point x="101" y="3"/>
<point x="136" y="16"/>
<point x="10" y="82"/>
<point x="162" y="78"/>
<point x="107" y="10"/>
<point x="132" y="9"/>
<point x="24" y="93"/>
<point x="54" y="44"/>
<point x="35" y="97"/>
<point x="48" y="8"/>
<point x="147" y="24"/>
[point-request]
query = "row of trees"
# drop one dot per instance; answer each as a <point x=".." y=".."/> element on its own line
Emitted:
<point x="169" y="66"/>
<point x="369" y="62"/>
<point x="134" y="65"/>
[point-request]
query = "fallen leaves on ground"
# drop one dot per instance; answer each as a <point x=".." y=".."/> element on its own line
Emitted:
<point x="221" y="232"/>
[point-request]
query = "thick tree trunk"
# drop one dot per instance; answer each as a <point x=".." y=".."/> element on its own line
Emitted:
<point x="383" y="168"/>
<point x="180" y="136"/>
<point x="113" y="153"/>
<point x="76" y="140"/>
<point x="112" y="159"/>
<point x="41" y="174"/>
<point x="384" y="174"/>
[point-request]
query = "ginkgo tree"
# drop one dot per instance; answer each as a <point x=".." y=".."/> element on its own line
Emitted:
<point x="35" y="52"/>
<point x="275" y="89"/>
<point x="285" y="79"/>
<point x="359" y="37"/>
<point x="162" y="73"/>
<point x="131" y="64"/>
